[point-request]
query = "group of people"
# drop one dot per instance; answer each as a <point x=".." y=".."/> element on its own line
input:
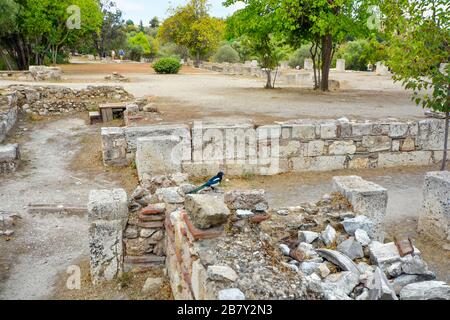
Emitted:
<point x="121" y="54"/>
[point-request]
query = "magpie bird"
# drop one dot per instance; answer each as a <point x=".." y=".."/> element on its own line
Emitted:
<point x="211" y="183"/>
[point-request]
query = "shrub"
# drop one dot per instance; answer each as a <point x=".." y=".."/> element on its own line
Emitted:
<point x="356" y="54"/>
<point x="226" y="54"/>
<point x="167" y="66"/>
<point x="299" y="56"/>
<point x="135" y="53"/>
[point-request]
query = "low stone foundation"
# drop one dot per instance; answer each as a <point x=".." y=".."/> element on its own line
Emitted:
<point x="295" y="146"/>
<point x="55" y="100"/>
<point x="9" y="158"/>
<point x="434" y="220"/>
<point x="8" y="112"/>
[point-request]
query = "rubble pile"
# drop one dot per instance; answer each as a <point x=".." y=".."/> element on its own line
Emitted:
<point x="335" y="251"/>
<point x="57" y="100"/>
<point x="115" y="76"/>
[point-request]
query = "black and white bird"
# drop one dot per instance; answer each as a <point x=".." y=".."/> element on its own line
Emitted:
<point x="211" y="183"/>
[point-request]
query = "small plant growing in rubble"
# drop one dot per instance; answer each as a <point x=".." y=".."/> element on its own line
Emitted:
<point x="167" y="66"/>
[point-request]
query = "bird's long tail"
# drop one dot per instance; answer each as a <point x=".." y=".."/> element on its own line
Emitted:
<point x="197" y="189"/>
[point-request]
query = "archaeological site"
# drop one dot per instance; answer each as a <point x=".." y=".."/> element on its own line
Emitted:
<point x="259" y="167"/>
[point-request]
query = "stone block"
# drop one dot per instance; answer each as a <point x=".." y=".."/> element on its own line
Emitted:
<point x="322" y="163"/>
<point x="396" y="159"/>
<point x="315" y="148"/>
<point x="254" y="200"/>
<point x="202" y="168"/>
<point x="108" y="205"/>
<point x="304" y="131"/>
<point x="106" y="251"/>
<point x="159" y="155"/>
<point x="206" y="210"/>
<point x="376" y="143"/>
<point x="9" y="158"/>
<point x="431" y="134"/>
<point x="434" y="219"/>
<point x="328" y="130"/>
<point x="426" y="290"/>
<point x="366" y="197"/>
<point x="361" y="129"/>
<point x="342" y="148"/>
<point x="114" y="146"/>
<point x="398" y="130"/>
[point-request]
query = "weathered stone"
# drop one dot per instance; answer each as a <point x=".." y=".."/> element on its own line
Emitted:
<point x="307" y="236"/>
<point x="376" y="143"/>
<point x="114" y="146"/>
<point x="339" y="259"/>
<point x="434" y="219"/>
<point x="323" y="270"/>
<point x="243" y="214"/>
<point x="408" y="145"/>
<point x="362" y="237"/>
<point x="328" y="236"/>
<point x="9" y="158"/>
<point x="398" y="130"/>
<point x="108" y="205"/>
<point x="308" y="268"/>
<point x="431" y="134"/>
<point x="400" y="282"/>
<point x="207" y="210"/>
<point x="328" y="130"/>
<point x="169" y="195"/>
<point x="358" y="223"/>
<point x="254" y="200"/>
<point x="413" y="264"/>
<point x="345" y="281"/>
<point x="380" y="288"/>
<point x="284" y="249"/>
<point x="304" y="131"/>
<point x="315" y="148"/>
<point x="231" y="294"/>
<point x="427" y="290"/>
<point x="152" y="285"/>
<point x="106" y="252"/>
<point x="351" y="248"/>
<point x="221" y="273"/>
<point x="342" y="148"/>
<point x="361" y="129"/>
<point x="321" y="163"/>
<point x="159" y="155"/>
<point x="366" y="198"/>
<point x="131" y="232"/>
<point x="396" y="159"/>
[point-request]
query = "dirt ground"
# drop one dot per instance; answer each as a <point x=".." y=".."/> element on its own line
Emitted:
<point x="62" y="163"/>
<point x="197" y="94"/>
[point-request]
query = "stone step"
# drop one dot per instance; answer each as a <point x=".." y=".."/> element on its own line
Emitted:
<point x="150" y="218"/>
<point x="137" y="264"/>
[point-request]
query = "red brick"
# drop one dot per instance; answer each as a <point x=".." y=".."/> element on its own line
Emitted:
<point x="151" y="210"/>
<point x="199" y="234"/>
<point x="259" y="218"/>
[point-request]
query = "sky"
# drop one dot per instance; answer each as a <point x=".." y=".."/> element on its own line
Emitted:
<point x="144" y="10"/>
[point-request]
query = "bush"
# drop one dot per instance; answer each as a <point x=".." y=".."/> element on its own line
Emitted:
<point x="356" y="54"/>
<point x="135" y="53"/>
<point x="226" y="54"/>
<point x="167" y="66"/>
<point x="299" y="56"/>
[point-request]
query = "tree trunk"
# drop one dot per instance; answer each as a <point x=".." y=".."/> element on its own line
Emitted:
<point x="197" y="59"/>
<point x="444" y="158"/>
<point x="327" y="50"/>
<point x="269" y="79"/>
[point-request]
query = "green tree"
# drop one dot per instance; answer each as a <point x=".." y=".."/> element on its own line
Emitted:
<point x="191" y="26"/>
<point x="112" y="33"/>
<point x="258" y="22"/>
<point x="154" y="23"/>
<point x="324" y="24"/>
<point x="419" y="42"/>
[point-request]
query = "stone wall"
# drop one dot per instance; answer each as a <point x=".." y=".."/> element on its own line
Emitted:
<point x="8" y="112"/>
<point x="295" y="146"/>
<point x="434" y="220"/>
<point x="56" y="100"/>
<point x="9" y="158"/>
